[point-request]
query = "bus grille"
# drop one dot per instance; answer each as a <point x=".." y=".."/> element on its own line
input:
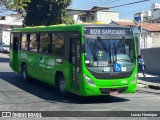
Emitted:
<point x="107" y="90"/>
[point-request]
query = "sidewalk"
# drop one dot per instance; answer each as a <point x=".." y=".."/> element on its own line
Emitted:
<point x="151" y="81"/>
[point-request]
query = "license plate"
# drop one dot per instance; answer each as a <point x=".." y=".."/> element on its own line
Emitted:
<point x="114" y="92"/>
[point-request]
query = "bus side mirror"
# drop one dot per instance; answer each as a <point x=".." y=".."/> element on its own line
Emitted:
<point x="83" y="48"/>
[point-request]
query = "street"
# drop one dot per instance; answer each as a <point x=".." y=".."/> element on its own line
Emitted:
<point x="18" y="95"/>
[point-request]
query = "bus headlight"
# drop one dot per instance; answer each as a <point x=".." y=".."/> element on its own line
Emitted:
<point x="134" y="79"/>
<point x="89" y="81"/>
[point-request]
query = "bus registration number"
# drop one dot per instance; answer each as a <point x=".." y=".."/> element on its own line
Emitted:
<point x="114" y="92"/>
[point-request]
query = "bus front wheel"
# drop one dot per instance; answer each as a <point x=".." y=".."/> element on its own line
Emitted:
<point x="61" y="86"/>
<point x="24" y="73"/>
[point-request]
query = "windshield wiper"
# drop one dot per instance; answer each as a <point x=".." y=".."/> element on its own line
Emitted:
<point x="104" y="45"/>
<point x="115" y="52"/>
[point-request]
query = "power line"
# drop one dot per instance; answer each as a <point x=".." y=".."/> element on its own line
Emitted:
<point x="87" y="3"/>
<point x="130" y="3"/>
<point x="111" y="1"/>
<point x="134" y="11"/>
<point x="131" y="12"/>
<point x="95" y="3"/>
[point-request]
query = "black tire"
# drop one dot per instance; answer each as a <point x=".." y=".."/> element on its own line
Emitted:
<point x="24" y="73"/>
<point x="61" y="86"/>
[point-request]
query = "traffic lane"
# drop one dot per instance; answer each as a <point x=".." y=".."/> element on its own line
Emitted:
<point x="4" y="60"/>
<point x="17" y="94"/>
<point x="40" y="89"/>
<point x="47" y="92"/>
<point x="4" y="63"/>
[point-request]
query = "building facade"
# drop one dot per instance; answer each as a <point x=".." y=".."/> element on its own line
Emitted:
<point x="152" y="15"/>
<point x="96" y="14"/>
<point x="150" y="36"/>
<point x="6" y="24"/>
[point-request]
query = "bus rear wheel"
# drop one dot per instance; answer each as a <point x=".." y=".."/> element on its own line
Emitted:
<point x="24" y="73"/>
<point x="61" y="86"/>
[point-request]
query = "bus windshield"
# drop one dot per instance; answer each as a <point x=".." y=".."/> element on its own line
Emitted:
<point x="102" y="55"/>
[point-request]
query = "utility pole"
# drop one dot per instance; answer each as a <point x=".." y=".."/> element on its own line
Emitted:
<point x="140" y="35"/>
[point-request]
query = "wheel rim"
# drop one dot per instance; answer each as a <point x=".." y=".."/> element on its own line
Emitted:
<point x="62" y="86"/>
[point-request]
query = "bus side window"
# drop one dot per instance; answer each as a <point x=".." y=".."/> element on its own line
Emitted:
<point x="33" y="45"/>
<point x="50" y="43"/>
<point x="43" y="46"/>
<point x="58" y="44"/>
<point x="24" y="43"/>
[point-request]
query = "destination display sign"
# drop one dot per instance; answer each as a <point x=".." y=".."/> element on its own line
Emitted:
<point x="108" y="31"/>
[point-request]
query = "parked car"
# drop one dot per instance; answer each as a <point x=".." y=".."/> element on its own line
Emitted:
<point x="4" y="48"/>
<point x="1" y="47"/>
<point x="1" y="43"/>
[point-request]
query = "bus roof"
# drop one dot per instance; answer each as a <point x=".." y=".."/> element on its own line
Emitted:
<point x="63" y="27"/>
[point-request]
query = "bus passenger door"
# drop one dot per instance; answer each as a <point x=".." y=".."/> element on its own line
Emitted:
<point x="14" y="52"/>
<point x="75" y="58"/>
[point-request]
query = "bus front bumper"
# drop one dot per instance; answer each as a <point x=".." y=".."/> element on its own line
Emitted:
<point x="88" y="90"/>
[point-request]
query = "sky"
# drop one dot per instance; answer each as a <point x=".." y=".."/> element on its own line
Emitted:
<point x="126" y="12"/>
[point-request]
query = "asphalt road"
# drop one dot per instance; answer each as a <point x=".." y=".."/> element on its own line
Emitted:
<point x="17" y="95"/>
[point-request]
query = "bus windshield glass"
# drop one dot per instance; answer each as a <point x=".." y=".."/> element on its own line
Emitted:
<point x="109" y="55"/>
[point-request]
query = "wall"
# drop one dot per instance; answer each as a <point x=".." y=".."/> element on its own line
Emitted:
<point x="152" y="59"/>
<point x="106" y="16"/>
<point x="155" y="14"/>
<point x="10" y="21"/>
<point x="13" y="19"/>
<point x="150" y="40"/>
<point x="156" y="39"/>
<point x="6" y="37"/>
<point x="74" y="15"/>
<point x="146" y="41"/>
<point x="100" y="16"/>
<point x="155" y="6"/>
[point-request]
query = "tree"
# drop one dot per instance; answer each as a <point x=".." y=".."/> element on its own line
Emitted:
<point x="67" y="20"/>
<point x="45" y="12"/>
<point x="15" y="5"/>
<point x="40" y="12"/>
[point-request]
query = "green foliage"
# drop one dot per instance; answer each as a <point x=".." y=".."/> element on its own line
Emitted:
<point x="68" y="20"/>
<point x="40" y="12"/>
<point x="45" y="12"/>
<point x="15" y="5"/>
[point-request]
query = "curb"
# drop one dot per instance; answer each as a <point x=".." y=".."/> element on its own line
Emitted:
<point x="149" y="85"/>
<point x="142" y="85"/>
<point x="154" y="87"/>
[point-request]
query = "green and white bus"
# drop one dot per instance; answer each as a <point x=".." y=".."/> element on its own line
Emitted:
<point x="88" y="60"/>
